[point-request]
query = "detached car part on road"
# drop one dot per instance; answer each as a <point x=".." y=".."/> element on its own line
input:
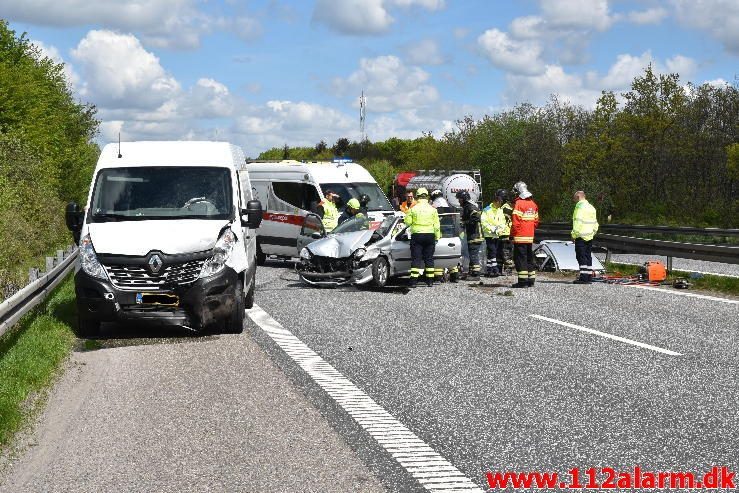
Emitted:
<point x="361" y="252"/>
<point x="169" y="236"/>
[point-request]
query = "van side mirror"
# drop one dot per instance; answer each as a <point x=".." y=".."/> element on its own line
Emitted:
<point x="74" y="217"/>
<point x="251" y="217"/>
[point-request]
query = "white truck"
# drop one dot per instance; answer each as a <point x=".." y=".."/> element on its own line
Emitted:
<point x="290" y="190"/>
<point x="168" y="237"/>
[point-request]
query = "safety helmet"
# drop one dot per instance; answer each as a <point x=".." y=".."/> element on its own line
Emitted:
<point x="521" y="190"/>
<point x="501" y="194"/>
<point x="462" y="195"/>
<point x="436" y="194"/>
<point x="353" y="204"/>
<point x="422" y="192"/>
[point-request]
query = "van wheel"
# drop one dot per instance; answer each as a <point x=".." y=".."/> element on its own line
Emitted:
<point x="380" y="271"/>
<point x="249" y="300"/>
<point x="261" y="257"/>
<point x="87" y="328"/>
<point x="234" y="324"/>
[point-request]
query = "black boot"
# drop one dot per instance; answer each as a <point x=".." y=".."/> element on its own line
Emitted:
<point x="413" y="282"/>
<point x="531" y="283"/>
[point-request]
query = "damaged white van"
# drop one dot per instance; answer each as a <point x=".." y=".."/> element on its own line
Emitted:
<point x="168" y="236"/>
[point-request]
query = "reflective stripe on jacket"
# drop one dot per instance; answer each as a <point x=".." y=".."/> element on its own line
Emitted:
<point x="330" y="215"/>
<point x="524" y="220"/>
<point x="494" y="222"/>
<point x="584" y="221"/>
<point x="423" y="218"/>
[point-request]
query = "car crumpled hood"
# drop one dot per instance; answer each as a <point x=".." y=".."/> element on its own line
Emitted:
<point x="341" y="245"/>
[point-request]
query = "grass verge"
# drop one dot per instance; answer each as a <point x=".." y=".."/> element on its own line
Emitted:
<point x="707" y="282"/>
<point x="31" y="354"/>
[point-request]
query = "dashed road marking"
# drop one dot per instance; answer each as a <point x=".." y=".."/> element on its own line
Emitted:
<point x="607" y="335"/>
<point x="422" y="462"/>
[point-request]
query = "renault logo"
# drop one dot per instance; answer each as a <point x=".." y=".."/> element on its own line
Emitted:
<point x="155" y="263"/>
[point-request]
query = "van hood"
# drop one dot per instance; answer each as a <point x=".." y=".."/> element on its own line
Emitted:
<point x="138" y="238"/>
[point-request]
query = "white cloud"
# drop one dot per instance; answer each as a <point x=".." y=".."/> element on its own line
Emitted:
<point x="159" y="23"/>
<point x="719" y="18"/>
<point x="389" y="84"/>
<point x="654" y="15"/>
<point x="52" y="53"/>
<point x="424" y="52"/>
<point x="119" y="73"/>
<point x="528" y="27"/>
<point x="585" y="89"/>
<point x="353" y="16"/>
<point x="577" y="14"/>
<point x="518" y="57"/>
<point x="362" y="17"/>
<point x="717" y="82"/>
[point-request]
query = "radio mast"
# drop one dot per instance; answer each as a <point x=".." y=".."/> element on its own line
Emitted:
<point x="362" y="117"/>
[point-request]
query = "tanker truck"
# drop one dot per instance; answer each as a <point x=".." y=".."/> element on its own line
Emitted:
<point x="448" y="181"/>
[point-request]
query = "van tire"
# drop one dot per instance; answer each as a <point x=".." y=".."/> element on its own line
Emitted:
<point x="87" y="328"/>
<point x="249" y="299"/>
<point x="261" y="257"/>
<point x="234" y="324"/>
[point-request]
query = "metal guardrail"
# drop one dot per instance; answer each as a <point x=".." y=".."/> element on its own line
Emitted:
<point x="637" y="228"/>
<point x="57" y="268"/>
<point x="669" y="249"/>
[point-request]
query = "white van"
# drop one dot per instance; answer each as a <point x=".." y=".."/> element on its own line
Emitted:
<point x="168" y="236"/>
<point x="290" y="190"/>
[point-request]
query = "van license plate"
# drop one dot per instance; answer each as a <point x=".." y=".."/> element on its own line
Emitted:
<point x="157" y="299"/>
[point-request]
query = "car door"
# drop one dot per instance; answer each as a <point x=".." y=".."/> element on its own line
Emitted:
<point x="311" y="231"/>
<point x="400" y="249"/>
<point x="448" y="252"/>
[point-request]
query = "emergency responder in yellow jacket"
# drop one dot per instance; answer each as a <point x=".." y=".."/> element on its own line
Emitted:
<point x="423" y="223"/>
<point x="495" y="226"/>
<point x="328" y="211"/>
<point x="584" y="228"/>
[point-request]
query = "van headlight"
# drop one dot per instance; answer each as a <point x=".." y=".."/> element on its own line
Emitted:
<point x="89" y="259"/>
<point x="221" y="254"/>
<point x="305" y="254"/>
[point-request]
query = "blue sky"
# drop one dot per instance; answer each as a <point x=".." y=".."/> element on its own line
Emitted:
<point x="268" y="72"/>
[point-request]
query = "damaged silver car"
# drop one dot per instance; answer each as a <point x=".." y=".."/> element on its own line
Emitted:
<point x="361" y="252"/>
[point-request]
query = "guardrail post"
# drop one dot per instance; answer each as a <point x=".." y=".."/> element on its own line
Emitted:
<point x="669" y="265"/>
<point x="49" y="264"/>
<point x="32" y="274"/>
<point x="59" y="256"/>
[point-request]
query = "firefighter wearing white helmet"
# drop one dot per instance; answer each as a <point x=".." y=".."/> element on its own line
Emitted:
<point x="524" y="221"/>
<point x="442" y="207"/>
<point x="439" y="202"/>
<point x="423" y="223"/>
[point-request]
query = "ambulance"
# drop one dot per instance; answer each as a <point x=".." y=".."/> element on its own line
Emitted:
<point x="290" y="190"/>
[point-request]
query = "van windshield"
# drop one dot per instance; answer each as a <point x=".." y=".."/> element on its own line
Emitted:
<point x="145" y="193"/>
<point x="346" y="191"/>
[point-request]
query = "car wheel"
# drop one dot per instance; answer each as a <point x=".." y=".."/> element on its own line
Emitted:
<point x="249" y="300"/>
<point x="234" y="324"/>
<point x="380" y="271"/>
<point x="87" y="328"/>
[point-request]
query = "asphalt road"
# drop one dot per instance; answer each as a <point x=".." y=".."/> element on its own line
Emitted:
<point x="545" y="379"/>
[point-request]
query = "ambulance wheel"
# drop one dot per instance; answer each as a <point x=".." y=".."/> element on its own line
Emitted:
<point x="380" y="271"/>
<point x="261" y="257"/>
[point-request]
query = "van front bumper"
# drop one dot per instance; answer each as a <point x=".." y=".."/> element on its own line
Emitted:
<point x="202" y="304"/>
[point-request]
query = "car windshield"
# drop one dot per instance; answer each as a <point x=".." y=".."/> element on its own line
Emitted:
<point x="347" y="191"/>
<point x="143" y="193"/>
<point x="361" y="223"/>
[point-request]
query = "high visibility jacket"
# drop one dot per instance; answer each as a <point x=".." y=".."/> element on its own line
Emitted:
<point x="330" y="215"/>
<point x="524" y="220"/>
<point x="584" y="221"/>
<point x="405" y="207"/>
<point x="508" y="211"/>
<point x="494" y="222"/>
<point x="423" y="218"/>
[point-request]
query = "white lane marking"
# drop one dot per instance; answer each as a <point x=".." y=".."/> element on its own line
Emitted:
<point x="401" y="443"/>
<point x="680" y="293"/>
<point x="609" y="336"/>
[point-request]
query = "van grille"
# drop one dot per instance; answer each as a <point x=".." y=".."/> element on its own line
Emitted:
<point x="132" y="277"/>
